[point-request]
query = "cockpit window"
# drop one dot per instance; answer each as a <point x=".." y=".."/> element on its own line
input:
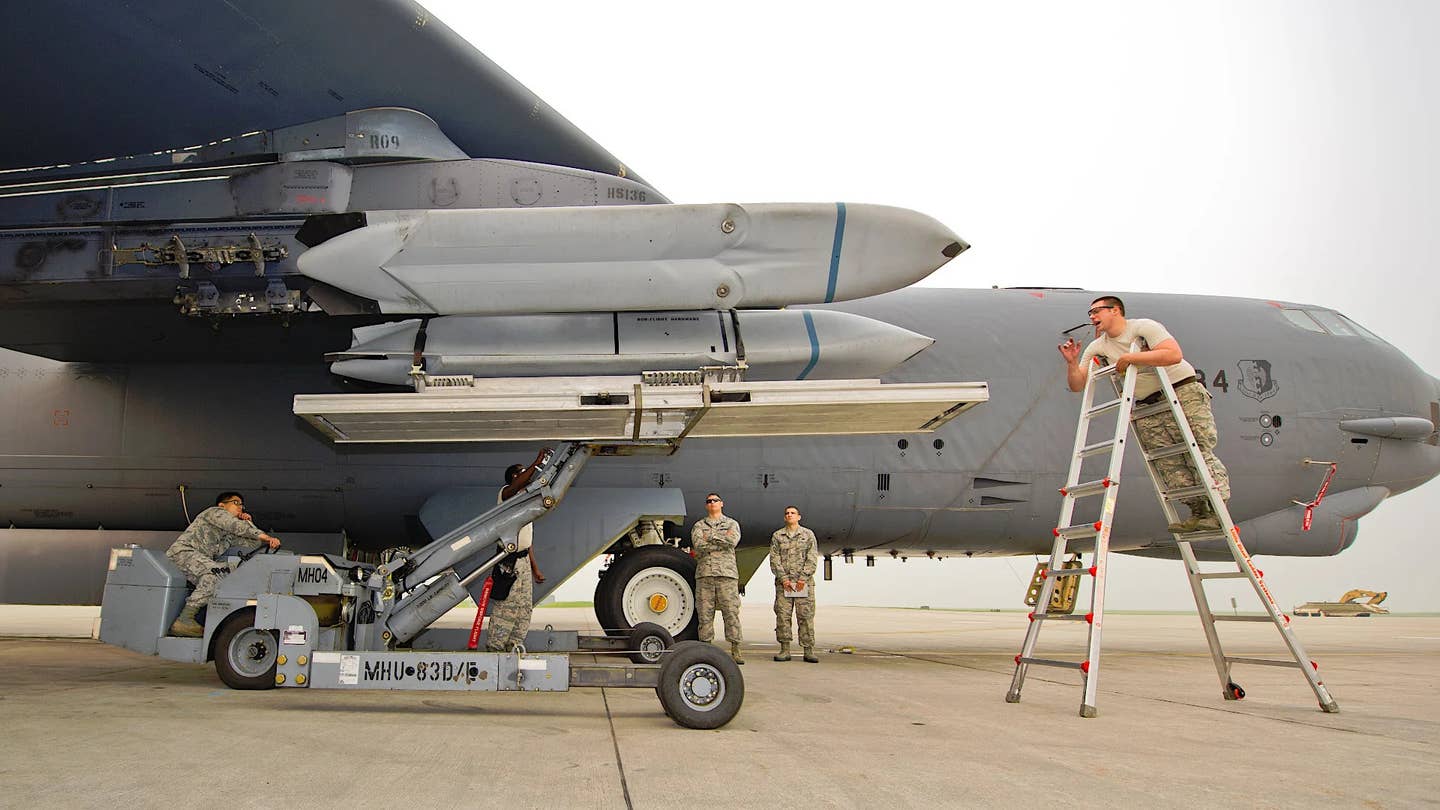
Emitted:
<point x="1302" y="320"/>
<point x="1362" y="330"/>
<point x="1332" y="322"/>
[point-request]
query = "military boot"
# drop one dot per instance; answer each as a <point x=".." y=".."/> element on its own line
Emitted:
<point x="185" y="625"/>
<point x="784" y="654"/>
<point x="1199" y="509"/>
<point x="735" y="653"/>
<point x="1208" y="522"/>
<point x="810" y="656"/>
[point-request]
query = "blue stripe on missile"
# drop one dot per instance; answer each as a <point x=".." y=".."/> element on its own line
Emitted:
<point x="835" y="252"/>
<point x="810" y="330"/>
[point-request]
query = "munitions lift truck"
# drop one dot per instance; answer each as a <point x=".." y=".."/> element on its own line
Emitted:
<point x="321" y="621"/>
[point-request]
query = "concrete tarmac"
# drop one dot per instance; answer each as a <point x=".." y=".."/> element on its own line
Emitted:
<point x="915" y="716"/>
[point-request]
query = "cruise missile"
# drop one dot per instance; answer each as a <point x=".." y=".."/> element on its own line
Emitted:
<point x="775" y="345"/>
<point x="630" y="257"/>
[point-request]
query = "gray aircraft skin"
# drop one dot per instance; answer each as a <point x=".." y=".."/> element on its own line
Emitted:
<point x="112" y="399"/>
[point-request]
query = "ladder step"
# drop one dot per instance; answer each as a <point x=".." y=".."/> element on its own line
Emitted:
<point x="1149" y="410"/>
<point x="1183" y="493"/>
<point x="1200" y="537"/>
<point x="1233" y="618"/>
<point x="1222" y="575"/>
<point x="1096" y="448"/>
<point x="1103" y="371"/>
<point x="1078" y="532"/>
<point x="1066" y="572"/>
<point x="1264" y="662"/>
<point x="1099" y="409"/>
<point x="1166" y="452"/>
<point x="1059" y="617"/>
<point x="1050" y="662"/>
<point x="1088" y="488"/>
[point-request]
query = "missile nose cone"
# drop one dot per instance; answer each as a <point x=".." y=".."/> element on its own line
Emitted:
<point x="879" y="248"/>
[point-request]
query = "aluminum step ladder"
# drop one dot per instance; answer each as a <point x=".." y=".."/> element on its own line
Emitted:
<point x="1108" y="488"/>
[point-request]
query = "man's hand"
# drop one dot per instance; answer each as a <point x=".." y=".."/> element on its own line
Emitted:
<point x="272" y="542"/>
<point x="245" y="516"/>
<point x="535" y="573"/>
<point x="785" y="583"/>
<point x="1125" y="361"/>
<point x="1070" y="350"/>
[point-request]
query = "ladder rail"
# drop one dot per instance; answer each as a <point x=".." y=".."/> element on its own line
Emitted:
<point x="1084" y="448"/>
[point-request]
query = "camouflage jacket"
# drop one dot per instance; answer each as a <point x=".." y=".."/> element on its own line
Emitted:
<point x="793" y="556"/>
<point x="213" y="531"/>
<point x="714" y="542"/>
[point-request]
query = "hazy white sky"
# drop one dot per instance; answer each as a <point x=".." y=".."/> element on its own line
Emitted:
<point x="1266" y="149"/>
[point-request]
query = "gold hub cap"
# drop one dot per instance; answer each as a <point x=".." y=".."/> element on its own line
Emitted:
<point x="658" y="602"/>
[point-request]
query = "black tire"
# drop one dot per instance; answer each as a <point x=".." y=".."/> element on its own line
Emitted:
<point x="244" y="656"/>
<point x="700" y="686"/>
<point x="603" y="614"/>
<point x="649" y="642"/>
<point x="674" y="573"/>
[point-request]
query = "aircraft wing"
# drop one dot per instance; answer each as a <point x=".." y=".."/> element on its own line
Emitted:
<point x="166" y="74"/>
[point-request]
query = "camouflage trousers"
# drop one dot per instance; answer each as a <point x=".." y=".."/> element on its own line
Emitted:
<point x="1160" y="430"/>
<point x="804" y="609"/>
<point x="722" y="593"/>
<point x="510" y="618"/>
<point x="198" y="569"/>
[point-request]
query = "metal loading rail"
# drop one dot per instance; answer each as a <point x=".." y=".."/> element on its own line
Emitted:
<point x="629" y="414"/>
<point x="1108" y="489"/>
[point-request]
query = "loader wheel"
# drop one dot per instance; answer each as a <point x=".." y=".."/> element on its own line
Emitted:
<point x="1234" y="692"/>
<point x="245" y="656"/>
<point x="648" y="643"/>
<point x="700" y="686"/>
<point x="653" y="584"/>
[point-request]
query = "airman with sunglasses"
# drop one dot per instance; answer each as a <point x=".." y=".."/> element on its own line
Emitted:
<point x="717" y="578"/>
<point x="1113" y="338"/>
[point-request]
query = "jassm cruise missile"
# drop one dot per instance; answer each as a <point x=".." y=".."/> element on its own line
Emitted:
<point x="775" y="345"/>
<point x="632" y="257"/>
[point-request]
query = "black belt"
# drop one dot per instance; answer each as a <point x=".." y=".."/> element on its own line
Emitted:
<point x="1155" y="397"/>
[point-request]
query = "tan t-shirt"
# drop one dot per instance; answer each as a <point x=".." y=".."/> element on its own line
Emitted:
<point x="1153" y="333"/>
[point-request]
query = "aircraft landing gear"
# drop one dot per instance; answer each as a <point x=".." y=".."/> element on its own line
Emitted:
<point x="654" y="584"/>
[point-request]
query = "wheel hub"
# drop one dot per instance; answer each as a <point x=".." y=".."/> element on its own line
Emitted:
<point x="658" y="602"/>
<point x="702" y="687"/>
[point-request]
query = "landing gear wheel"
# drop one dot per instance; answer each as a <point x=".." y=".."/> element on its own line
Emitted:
<point x="648" y="643"/>
<point x="245" y="656"/>
<point x="1234" y="692"/>
<point x="700" y="686"/>
<point x="654" y="584"/>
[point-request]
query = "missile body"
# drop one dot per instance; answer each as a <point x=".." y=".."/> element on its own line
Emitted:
<point x="629" y="258"/>
<point x="775" y="344"/>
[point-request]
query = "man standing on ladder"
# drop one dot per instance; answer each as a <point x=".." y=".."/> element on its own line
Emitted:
<point x="1113" y="337"/>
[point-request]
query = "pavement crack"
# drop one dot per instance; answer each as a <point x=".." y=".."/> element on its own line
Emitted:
<point x="615" y="740"/>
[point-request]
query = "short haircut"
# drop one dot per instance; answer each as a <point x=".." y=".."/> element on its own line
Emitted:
<point x="513" y="471"/>
<point x="792" y="506"/>
<point x="709" y="495"/>
<point x="225" y="496"/>
<point x="1110" y="301"/>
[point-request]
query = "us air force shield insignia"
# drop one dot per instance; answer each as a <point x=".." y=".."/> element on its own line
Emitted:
<point x="1255" y="380"/>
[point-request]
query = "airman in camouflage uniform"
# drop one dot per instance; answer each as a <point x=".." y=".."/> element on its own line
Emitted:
<point x="793" y="558"/>
<point x="212" y="531"/>
<point x="510" y="617"/>
<point x="717" y="578"/>
<point x="1113" y="338"/>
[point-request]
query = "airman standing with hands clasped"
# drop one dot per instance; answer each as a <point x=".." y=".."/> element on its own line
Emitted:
<point x="792" y="559"/>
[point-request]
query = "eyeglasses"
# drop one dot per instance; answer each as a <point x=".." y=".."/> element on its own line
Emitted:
<point x="1094" y="310"/>
<point x="240" y="504"/>
<point x="712" y="500"/>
